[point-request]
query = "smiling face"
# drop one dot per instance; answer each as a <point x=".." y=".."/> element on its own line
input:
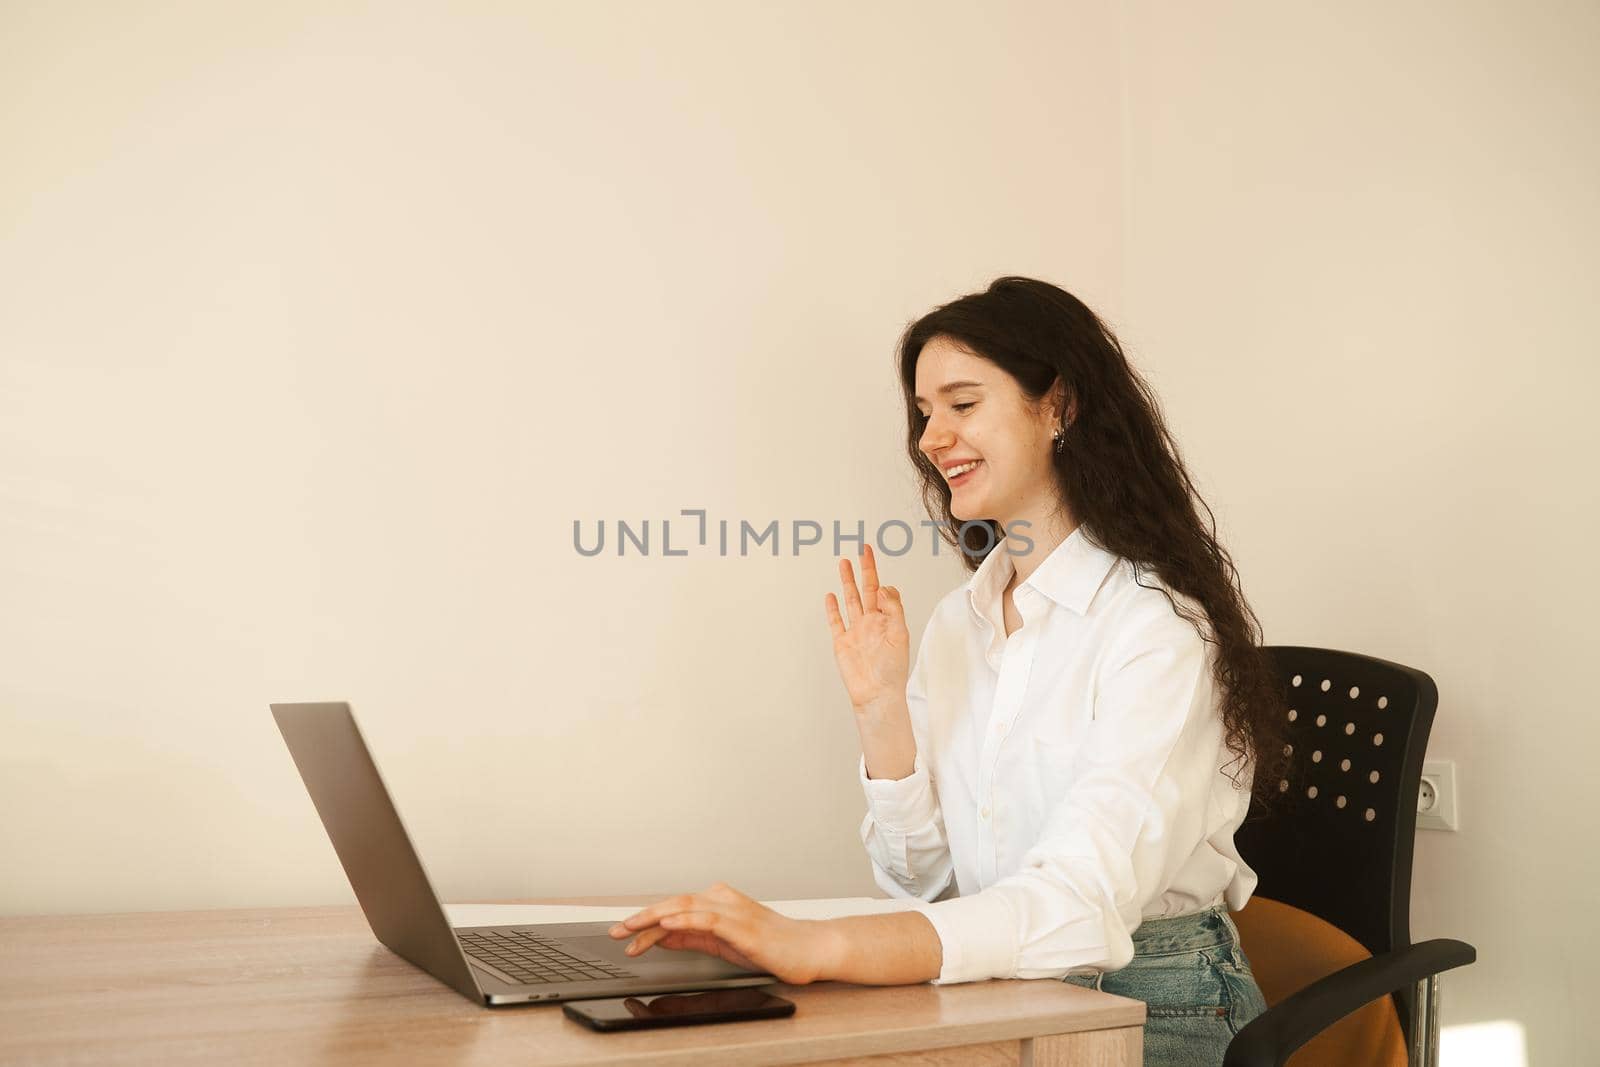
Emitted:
<point x="974" y="412"/>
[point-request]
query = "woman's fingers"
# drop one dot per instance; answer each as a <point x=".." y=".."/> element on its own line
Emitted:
<point x="851" y="598"/>
<point x="706" y="930"/>
<point x="868" y="599"/>
<point x="686" y="916"/>
<point x="835" y="623"/>
<point x="652" y="915"/>
<point x="721" y="921"/>
<point x="719" y="894"/>
<point x="647" y="938"/>
<point x="884" y="598"/>
<point x="690" y="940"/>
<point x="869" y="578"/>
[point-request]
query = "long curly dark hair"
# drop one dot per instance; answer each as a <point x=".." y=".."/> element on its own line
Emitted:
<point x="1122" y="478"/>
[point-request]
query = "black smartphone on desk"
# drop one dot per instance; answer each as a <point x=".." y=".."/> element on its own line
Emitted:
<point x="677" y="1009"/>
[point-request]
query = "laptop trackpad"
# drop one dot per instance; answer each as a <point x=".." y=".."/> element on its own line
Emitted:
<point x="602" y="947"/>
<point x="689" y="963"/>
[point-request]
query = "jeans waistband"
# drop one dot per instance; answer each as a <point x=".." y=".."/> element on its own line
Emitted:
<point x="1184" y="933"/>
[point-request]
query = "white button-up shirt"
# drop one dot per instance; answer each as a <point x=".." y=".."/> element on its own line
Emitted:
<point x="1070" y="781"/>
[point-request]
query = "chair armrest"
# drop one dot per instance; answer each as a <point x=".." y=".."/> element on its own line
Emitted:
<point x="1270" y="1038"/>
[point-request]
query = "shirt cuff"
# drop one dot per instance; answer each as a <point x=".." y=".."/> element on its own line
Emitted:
<point x="901" y="805"/>
<point x="977" y="935"/>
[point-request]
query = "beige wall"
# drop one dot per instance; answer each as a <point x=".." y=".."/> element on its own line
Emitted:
<point x="317" y="332"/>
<point x="321" y="330"/>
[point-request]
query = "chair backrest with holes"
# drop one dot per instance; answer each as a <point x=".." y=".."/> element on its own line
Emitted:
<point x="1338" y="840"/>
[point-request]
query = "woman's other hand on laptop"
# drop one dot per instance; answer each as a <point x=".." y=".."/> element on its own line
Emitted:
<point x="723" y="922"/>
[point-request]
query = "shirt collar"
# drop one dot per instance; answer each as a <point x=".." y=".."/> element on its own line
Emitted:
<point x="1070" y="575"/>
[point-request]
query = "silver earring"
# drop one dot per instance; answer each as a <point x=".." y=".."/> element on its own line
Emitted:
<point x="1060" y="438"/>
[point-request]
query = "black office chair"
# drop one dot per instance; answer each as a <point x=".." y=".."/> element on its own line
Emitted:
<point x="1328" y="932"/>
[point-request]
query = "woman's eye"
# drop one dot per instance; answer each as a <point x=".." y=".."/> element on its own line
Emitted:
<point x="923" y="417"/>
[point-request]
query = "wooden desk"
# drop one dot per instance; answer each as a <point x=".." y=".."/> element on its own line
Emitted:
<point x="312" y="985"/>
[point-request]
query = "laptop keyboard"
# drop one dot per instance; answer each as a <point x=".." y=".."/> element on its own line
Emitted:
<point x="529" y="958"/>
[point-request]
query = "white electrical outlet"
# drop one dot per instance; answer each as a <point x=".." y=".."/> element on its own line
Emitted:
<point x="1436" y="798"/>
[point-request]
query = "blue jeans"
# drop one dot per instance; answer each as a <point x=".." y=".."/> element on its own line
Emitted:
<point x="1196" y="984"/>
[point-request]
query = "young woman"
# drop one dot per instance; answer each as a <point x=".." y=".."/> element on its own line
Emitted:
<point x="1057" y="781"/>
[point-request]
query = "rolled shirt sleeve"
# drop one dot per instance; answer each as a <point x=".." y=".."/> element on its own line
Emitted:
<point x="904" y="831"/>
<point x="1134" y="814"/>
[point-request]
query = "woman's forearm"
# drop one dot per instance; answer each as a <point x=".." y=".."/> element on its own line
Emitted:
<point x="887" y="741"/>
<point x="900" y="948"/>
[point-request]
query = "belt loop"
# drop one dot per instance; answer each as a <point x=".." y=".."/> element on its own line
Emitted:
<point x="1233" y="929"/>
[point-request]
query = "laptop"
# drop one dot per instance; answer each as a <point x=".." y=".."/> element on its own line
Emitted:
<point x="493" y="965"/>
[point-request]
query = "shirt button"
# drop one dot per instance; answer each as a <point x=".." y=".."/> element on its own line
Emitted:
<point x="984" y="812"/>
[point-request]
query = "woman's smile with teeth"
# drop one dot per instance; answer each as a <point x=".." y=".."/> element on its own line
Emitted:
<point x="955" y="473"/>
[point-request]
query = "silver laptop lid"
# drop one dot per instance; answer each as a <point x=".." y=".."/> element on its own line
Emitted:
<point x="384" y="869"/>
